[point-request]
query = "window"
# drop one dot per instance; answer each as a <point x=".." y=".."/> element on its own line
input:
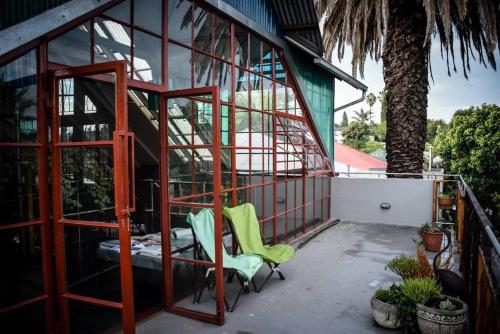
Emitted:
<point x="89" y="106"/>
<point x="66" y="97"/>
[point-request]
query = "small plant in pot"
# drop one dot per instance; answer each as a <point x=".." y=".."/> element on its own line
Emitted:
<point x="446" y="199"/>
<point x="442" y="314"/>
<point x="415" y="291"/>
<point x="409" y="267"/>
<point x="384" y="306"/>
<point x="432" y="235"/>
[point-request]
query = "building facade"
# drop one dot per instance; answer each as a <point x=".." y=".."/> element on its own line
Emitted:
<point x="118" y="118"/>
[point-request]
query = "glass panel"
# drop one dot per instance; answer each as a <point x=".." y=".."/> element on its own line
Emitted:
<point x="179" y="67"/>
<point x="241" y="92"/>
<point x="222" y="79"/>
<point x="254" y="62"/>
<point x="242" y="126"/>
<point x="87" y="184"/>
<point x="267" y="92"/>
<point x="279" y="69"/>
<point x="20" y="255"/>
<point x="86" y="109"/>
<point x="18" y="323"/>
<point x="256" y="91"/>
<point x="112" y="41"/>
<point x="225" y="125"/>
<point x="222" y="39"/>
<point x="72" y="48"/>
<point x="120" y="12"/>
<point x="281" y="91"/>
<point x="241" y="47"/>
<point x="18" y="100"/>
<point x="180" y="21"/>
<point x="147" y="57"/>
<point x="267" y="60"/>
<point x="148" y="15"/>
<point x="203" y="29"/>
<point x="93" y="262"/>
<point x="18" y="185"/>
<point x="91" y="319"/>
<point x="203" y="67"/>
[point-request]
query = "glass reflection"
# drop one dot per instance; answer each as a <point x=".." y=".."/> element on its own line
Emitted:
<point x="71" y="48"/>
<point x="180" y="20"/>
<point x="18" y="100"/>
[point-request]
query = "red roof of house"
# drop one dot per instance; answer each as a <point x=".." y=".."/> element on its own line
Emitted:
<point x="357" y="159"/>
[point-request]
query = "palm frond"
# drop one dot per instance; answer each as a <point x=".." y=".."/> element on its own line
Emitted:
<point x="362" y="24"/>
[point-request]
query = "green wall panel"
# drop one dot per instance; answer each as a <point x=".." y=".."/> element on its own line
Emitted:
<point x="318" y="88"/>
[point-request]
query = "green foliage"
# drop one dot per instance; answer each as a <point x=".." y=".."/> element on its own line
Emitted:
<point x="415" y="291"/>
<point x="86" y="167"/>
<point x="433" y="126"/>
<point x="447" y="305"/>
<point x="471" y="147"/>
<point x="356" y="134"/>
<point x="406" y="267"/>
<point x="370" y="100"/>
<point x="345" y="121"/>
<point x="390" y="295"/>
<point x="431" y="228"/>
<point x="382" y="97"/>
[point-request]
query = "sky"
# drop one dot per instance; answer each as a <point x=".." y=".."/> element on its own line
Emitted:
<point x="446" y="94"/>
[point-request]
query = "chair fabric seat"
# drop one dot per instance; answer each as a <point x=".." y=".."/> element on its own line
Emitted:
<point x="203" y="225"/>
<point x="246" y="226"/>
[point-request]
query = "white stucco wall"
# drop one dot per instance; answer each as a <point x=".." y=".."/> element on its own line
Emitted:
<point x="359" y="199"/>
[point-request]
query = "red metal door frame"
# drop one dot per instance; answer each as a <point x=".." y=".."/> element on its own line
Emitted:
<point x="218" y="318"/>
<point x="121" y="181"/>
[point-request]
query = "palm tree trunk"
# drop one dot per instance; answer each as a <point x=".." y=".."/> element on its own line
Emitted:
<point x="405" y="61"/>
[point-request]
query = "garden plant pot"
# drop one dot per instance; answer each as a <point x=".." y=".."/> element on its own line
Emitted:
<point x="446" y="202"/>
<point x="433" y="240"/>
<point x="385" y="314"/>
<point x="436" y="321"/>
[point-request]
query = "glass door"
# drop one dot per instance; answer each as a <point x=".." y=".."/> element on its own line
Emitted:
<point x="91" y="198"/>
<point x="190" y="182"/>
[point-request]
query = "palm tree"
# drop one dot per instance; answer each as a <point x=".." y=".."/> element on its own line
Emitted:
<point x="370" y="100"/>
<point x="400" y="33"/>
<point x="382" y="97"/>
<point x="360" y="116"/>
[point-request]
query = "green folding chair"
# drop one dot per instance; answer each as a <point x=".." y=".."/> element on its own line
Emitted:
<point x="246" y="229"/>
<point x="244" y="265"/>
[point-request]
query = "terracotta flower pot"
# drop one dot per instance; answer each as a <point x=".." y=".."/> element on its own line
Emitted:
<point x="385" y="314"/>
<point x="446" y="202"/>
<point x="433" y="240"/>
<point x="436" y="321"/>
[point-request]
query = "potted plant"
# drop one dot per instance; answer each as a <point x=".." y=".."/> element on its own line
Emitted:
<point x="446" y="199"/>
<point x="407" y="267"/>
<point x="443" y="314"/>
<point x="415" y="291"/>
<point x="384" y="306"/>
<point x="432" y="235"/>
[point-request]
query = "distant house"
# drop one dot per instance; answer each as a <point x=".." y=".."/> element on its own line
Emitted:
<point x="350" y="160"/>
<point x="338" y="135"/>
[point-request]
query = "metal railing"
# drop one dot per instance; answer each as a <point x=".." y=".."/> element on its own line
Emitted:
<point x="480" y="266"/>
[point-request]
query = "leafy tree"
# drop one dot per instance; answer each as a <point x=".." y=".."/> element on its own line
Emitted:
<point x="345" y="121"/>
<point x="382" y="97"/>
<point x="471" y="147"/>
<point x="432" y="127"/>
<point x="361" y="116"/>
<point x="370" y="100"/>
<point x="379" y="131"/>
<point x="356" y="134"/>
<point x="400" y="33"/>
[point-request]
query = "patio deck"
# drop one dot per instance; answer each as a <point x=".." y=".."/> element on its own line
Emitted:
<point x="327" y="289"/>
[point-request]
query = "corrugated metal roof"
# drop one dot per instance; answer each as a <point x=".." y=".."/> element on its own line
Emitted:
<point x="15" y="11"/>
<point x="298" y="20"/>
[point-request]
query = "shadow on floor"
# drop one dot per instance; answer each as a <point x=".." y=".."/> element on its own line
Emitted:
<point x="328" y="287"/>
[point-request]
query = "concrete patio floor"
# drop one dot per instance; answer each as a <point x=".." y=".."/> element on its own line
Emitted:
<point x="328" y="287"/>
